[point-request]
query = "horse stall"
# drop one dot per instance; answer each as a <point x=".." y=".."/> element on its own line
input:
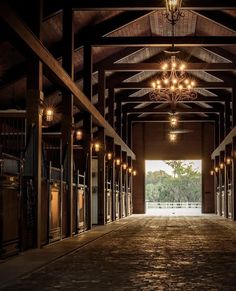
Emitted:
<point x="10" y="202"/>
<point x="55" y="189"/>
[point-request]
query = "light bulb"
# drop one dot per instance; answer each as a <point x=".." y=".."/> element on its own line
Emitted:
<point x="124" y="166"/>
<point x="118" y="161"/>
<point x="49" y="115"/>
<point x="153" y="85"/>
<point x="186" y="81"/>
<point x="130" y="170"/>
<point x="180" y="87"/>
<point x="78" y="134"/>
<point x="109" y="156"/>
<point x="134" y="173"/>
<point x="97" y="147"/>
<point x="172" y="88"/>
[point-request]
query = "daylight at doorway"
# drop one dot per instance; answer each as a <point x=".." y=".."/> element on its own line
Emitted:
<point x="173" y="187"/>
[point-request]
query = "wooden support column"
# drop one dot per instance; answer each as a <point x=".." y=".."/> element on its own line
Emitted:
<point x="125" y="180"/>
<point x="111" y="102"/>
<point x="234" y="179"/>
<point x="88" y="136"/>
<point x="130" y="183"/>
<point x="222" y="126"/>
<point x="216" y="133"/>
<point x="227" y="117"/>
<point x="129" y="131"/>
<point x="111" y="173"/>
<point x="101" y="154"/>
<point x="217" y="187"/>
<point x="101" y="178"/>
<point x="118" y="117"/>
<point x="233" y="107"/>
<point x="222" y="183"/>
<point x="34" y="98"/>
<point x="119" y="176"/>
<point x="124" y="126"/>
<point x="227" y="178"/>
<point x="67" y="105"/>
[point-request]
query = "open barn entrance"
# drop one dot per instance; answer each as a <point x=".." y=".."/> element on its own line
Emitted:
<point x="173" y="187"/>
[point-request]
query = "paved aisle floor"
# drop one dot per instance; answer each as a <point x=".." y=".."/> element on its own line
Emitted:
<point x="147" y="253"/>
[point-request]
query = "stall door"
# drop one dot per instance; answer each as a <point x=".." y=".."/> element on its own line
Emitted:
<point x="94" y="191"/>
<point x="55" y="214"/>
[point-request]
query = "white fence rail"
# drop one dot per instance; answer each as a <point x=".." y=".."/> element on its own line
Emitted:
<point x="151" y="205"/>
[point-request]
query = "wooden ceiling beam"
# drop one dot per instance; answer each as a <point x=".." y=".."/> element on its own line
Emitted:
<point x="149" y="5"/>
<point x="199" y="85"/>
<point x="162" y="41"/>
<point x="32" y="43"/>
<point x="160" y="118"/>
<point x="136" y="67"/>
<point x="146" y="99"/>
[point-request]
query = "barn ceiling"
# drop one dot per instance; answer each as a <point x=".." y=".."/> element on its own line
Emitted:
<point x="105" y="20"/>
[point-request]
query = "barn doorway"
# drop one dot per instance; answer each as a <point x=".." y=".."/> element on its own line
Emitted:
<point x="173" y="187"/>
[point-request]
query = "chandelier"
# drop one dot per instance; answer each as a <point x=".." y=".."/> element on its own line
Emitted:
<point x="174" y="85"/>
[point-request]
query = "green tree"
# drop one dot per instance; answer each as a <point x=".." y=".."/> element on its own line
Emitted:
<point x="183" y="186"/>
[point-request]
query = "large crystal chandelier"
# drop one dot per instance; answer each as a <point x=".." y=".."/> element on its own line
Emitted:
<point x="174" y="85"/>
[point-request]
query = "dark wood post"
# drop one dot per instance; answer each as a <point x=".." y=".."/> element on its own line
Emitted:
<point x="67" y="105"/>
<point x="118" y="117"/>
<point x="233" y="189"/>
<point x="87" y="126"/>
<point x="227" y="117"/>
<point x="216" y="133"/>
<point x="101" y="154"/>
<point x="34" y="98"/>
<point x="129" y="129"/>
<point x="111" y="102"/>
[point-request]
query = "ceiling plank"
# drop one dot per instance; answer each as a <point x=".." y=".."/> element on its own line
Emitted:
<point x="219" y="18"/>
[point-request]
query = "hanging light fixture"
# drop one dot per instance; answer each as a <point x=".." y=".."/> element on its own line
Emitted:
<point x="172" y="137"/>
<point x="173" y="12"/>
<point x="109" y="156"/>
<point x="78" y="134"/>
<point x="174" y="84"/>
<point x="49" y="114"/>
<point x="97" y="147"/>
<point x="173" y="120"/>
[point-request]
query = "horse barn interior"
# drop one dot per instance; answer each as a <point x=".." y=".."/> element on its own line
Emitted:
<point x="82" y="107"/>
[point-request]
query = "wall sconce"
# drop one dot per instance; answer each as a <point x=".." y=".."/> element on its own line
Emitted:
<point x="124" y="166"/>
<point x="49" y="114"/>
<point x="78" y="134"/>
<point x="216" y="169"/>
<point x="130" y="170"/>
<point x="109" y="156"/>
<point x="228" y="161"/>
<point x="97" y="147"/>
<point x="211" y="172"/>
<point x="221" y="166"/>
<point x="134" y="173"/>
<point x="118" y="161"/>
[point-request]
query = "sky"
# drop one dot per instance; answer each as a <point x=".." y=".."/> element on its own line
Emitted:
<point x="158" y="165"/>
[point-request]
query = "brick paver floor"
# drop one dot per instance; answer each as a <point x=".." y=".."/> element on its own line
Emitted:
<point x="149" y="253"/>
